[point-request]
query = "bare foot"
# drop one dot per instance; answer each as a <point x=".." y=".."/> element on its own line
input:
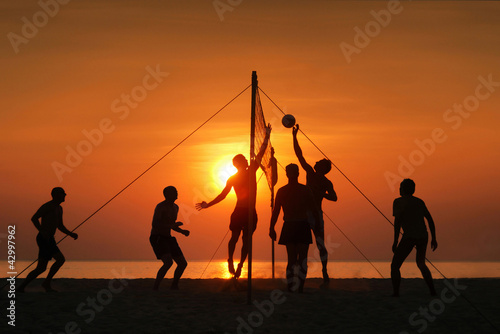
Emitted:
<point x="237" y="274"/>
<point x="230" y="266"/>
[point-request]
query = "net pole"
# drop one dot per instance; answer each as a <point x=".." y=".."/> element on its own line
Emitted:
<point x="272" y="241"/>
<point x="251" y="185"/>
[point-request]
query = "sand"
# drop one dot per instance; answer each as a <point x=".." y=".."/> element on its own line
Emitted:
<point x="219" y="306"/>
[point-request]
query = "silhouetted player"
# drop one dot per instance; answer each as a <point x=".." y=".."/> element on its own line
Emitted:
<point x="239" y="218"/>
<point x="51" y="214"/>
<point x="409" y="213"/>
<point x="296" y="200"/>
<point x="321" y="188"/>
<point x="164" y="244"/>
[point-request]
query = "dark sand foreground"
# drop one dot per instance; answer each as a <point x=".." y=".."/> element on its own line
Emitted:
<point x="218" y="306"/>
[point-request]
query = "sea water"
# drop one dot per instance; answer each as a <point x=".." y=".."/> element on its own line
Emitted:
<point x="260" y="269"/>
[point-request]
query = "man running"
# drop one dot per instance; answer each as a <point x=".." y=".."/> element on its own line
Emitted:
<point x="244" y="203"/>
<point x="409" y="213"/>
<point x="51" y="214"/>
<point x="321" y="188"/>
<point x="164" y="244"/>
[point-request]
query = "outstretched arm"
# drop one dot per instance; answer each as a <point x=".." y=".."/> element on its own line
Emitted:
<point x="432" y="228"/>
<point x="220" y="197"/>
<point x="260" y="155"/>
<point x="298" y="151"/>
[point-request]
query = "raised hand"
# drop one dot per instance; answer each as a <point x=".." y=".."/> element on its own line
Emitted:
<point x="201" y="206"/>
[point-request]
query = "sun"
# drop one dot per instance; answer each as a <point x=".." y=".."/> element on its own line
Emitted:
<point x="223" y="170"/>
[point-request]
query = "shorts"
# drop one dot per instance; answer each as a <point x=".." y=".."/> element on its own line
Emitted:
<point x="239" y="220"/>
<point x="46" y="248"/>
<point x="298" y="232"/>
<point x="165" y="245"/>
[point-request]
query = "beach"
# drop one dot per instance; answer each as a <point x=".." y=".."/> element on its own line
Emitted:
<point x="123" y="305"/>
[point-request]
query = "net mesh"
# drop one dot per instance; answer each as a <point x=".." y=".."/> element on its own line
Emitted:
<point x="268" y="160"/>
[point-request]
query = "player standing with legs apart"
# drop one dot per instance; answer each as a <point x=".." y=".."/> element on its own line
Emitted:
<point x="409" y="213"/>
<point x="239" y="217"/>
<point x="51" y="214"/>
<point x="296" y="200"/>
<point x="321" y="188"/>
<point x="164" y="244"/>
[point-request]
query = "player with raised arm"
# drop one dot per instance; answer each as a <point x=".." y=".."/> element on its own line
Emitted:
<point x="244" y="203"/>
<point x="321" y="188"/>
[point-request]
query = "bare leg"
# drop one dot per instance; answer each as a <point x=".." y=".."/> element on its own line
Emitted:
<point x="59" y="257"/>
<point x="426" y="273"/>
<point x="323" y="253"/>
<point x="40" y="268"/>
<point x="231" y="247"/>
<point x="302" y="254"/>
<point x="293" y="254"/>
<point x="402" y="251"/>
<point x="167" y="263"/>
<point x="181" y="265"/>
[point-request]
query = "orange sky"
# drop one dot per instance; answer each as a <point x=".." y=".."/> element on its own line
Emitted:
<point x="365" y="111"/>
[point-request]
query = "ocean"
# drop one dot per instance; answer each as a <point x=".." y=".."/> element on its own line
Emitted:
<point x="260" y="269"/>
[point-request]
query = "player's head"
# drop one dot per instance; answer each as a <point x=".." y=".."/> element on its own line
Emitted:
<point x="170" y="193"/>
<point x="323" y="166"/>
<point x="58" y="194"/>
<point x="240" y="162"/>
<point x="407" y="187"/>
<point x="292" y="171"/>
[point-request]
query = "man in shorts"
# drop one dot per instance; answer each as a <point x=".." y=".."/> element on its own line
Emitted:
<point x="321" y="188"/>
<point x="244" y="203"/>
<point x="297" y="201"/>
<point x="409" y="213"/>
<point x="164" y="244"/>
<point x="51" y="214"/>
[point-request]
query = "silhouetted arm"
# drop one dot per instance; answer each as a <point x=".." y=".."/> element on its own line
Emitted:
<point x="330" y="194"/>
<point x="176" y="228"/>
<point x="274" y="216"/>
<point x="298" y="151"/>
<point x="64" y="230"/>
<point x="432" y="228"/>
<point x="397" y="229"/>
<point x="220" y="197"/>
<point x="260" y="155"/>
<point x="36" y="221"/>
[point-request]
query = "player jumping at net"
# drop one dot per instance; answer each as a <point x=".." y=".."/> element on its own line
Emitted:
<point x="321" y="188"/>
<point x="244" y="203"/>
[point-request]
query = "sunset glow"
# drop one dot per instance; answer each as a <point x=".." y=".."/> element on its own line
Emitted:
<point x="106" y="89"/>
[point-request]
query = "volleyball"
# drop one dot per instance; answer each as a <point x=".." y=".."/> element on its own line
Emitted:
<point x="288" y="121"/>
